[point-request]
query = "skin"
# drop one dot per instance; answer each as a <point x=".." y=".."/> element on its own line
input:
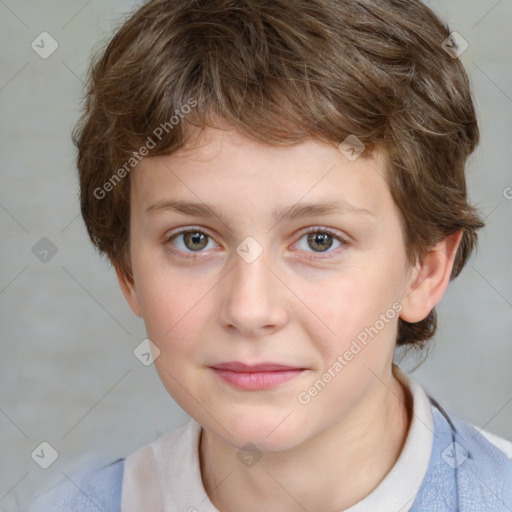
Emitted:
<point x="298" y="303"/>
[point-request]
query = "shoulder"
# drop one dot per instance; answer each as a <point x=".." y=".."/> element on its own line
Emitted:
<point x="503" y="445"/>
<point x="486" y="448"/>
<point x="469" y="468"/>
<point x="165" y="472"/>
<point x="90" y="490"/>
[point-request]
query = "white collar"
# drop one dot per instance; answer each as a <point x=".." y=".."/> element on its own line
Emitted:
<point x="401" y="485"/>
<point x="164" y="476"/>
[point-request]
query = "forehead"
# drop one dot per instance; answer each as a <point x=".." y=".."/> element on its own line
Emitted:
<point x="225" y="167"/>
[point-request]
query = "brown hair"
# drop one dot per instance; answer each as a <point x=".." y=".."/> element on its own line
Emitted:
<point x="282" y="71"/>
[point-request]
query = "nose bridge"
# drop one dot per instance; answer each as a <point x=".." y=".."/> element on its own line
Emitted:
<point x="253" y="299"/>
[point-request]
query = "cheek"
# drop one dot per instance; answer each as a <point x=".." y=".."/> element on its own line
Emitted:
<point x="351" y="301"/>
<point x="358" y="317"/>
<point x="166" y="304"/>
<point x="178" y="317"/>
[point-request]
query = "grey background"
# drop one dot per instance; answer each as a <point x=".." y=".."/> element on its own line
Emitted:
<point x="67" y="370"/>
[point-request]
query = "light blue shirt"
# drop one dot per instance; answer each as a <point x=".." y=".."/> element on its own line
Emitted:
<point x="466" y="473"/>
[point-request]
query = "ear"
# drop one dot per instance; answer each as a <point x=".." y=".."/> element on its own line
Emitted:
<point x="127" y="285"/>
<point x="429" y="279"/>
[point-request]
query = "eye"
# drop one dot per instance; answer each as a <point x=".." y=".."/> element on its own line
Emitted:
<point x="320" y="240"/>
<point x="191" y="240"/>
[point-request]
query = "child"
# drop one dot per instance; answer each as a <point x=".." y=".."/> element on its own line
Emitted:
<point x="223" y="142"/>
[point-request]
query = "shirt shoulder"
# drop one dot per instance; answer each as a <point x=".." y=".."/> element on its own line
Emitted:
<point x="90" y="490"/>
<point x="502" y="444"/>
<point x="467" y="471"/>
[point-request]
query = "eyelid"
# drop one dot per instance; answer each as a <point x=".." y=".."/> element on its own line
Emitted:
<point x="323" y="229"/>
<point x="187" y="229"/>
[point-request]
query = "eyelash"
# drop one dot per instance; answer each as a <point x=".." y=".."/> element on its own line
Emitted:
<point x="316" y="229"/>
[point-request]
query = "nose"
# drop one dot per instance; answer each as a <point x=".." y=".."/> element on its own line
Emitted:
<point x="255" y="299"/>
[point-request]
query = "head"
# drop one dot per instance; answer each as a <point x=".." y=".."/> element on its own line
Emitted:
<point x="242" y="106"/>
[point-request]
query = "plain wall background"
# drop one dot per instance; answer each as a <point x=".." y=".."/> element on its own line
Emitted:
<point x="67" y="370"/>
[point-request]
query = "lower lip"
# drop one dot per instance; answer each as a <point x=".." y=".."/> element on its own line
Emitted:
<point x="256" y="380"/>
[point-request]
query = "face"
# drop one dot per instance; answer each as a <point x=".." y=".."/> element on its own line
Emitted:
<point x="259" y="272"/>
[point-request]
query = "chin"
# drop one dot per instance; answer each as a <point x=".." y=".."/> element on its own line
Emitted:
<point x="268" y="434"/>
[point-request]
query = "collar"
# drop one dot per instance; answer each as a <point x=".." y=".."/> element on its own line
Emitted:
<point x="165" y="475"/>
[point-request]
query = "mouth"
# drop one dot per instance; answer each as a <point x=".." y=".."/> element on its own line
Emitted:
<point x="257" y="376"/>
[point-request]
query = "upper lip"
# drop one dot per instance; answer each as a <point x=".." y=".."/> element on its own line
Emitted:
<point x="236" y="366"/>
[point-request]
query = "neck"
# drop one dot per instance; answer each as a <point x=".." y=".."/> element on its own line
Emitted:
<point x="331" y="471"/>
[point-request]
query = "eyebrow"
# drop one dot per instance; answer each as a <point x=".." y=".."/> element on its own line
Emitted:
<point x="290" y="212"/>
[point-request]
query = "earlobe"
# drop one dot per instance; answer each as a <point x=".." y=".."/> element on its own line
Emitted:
<point x="127" y="286"/>
<point x="430" y="278"/>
